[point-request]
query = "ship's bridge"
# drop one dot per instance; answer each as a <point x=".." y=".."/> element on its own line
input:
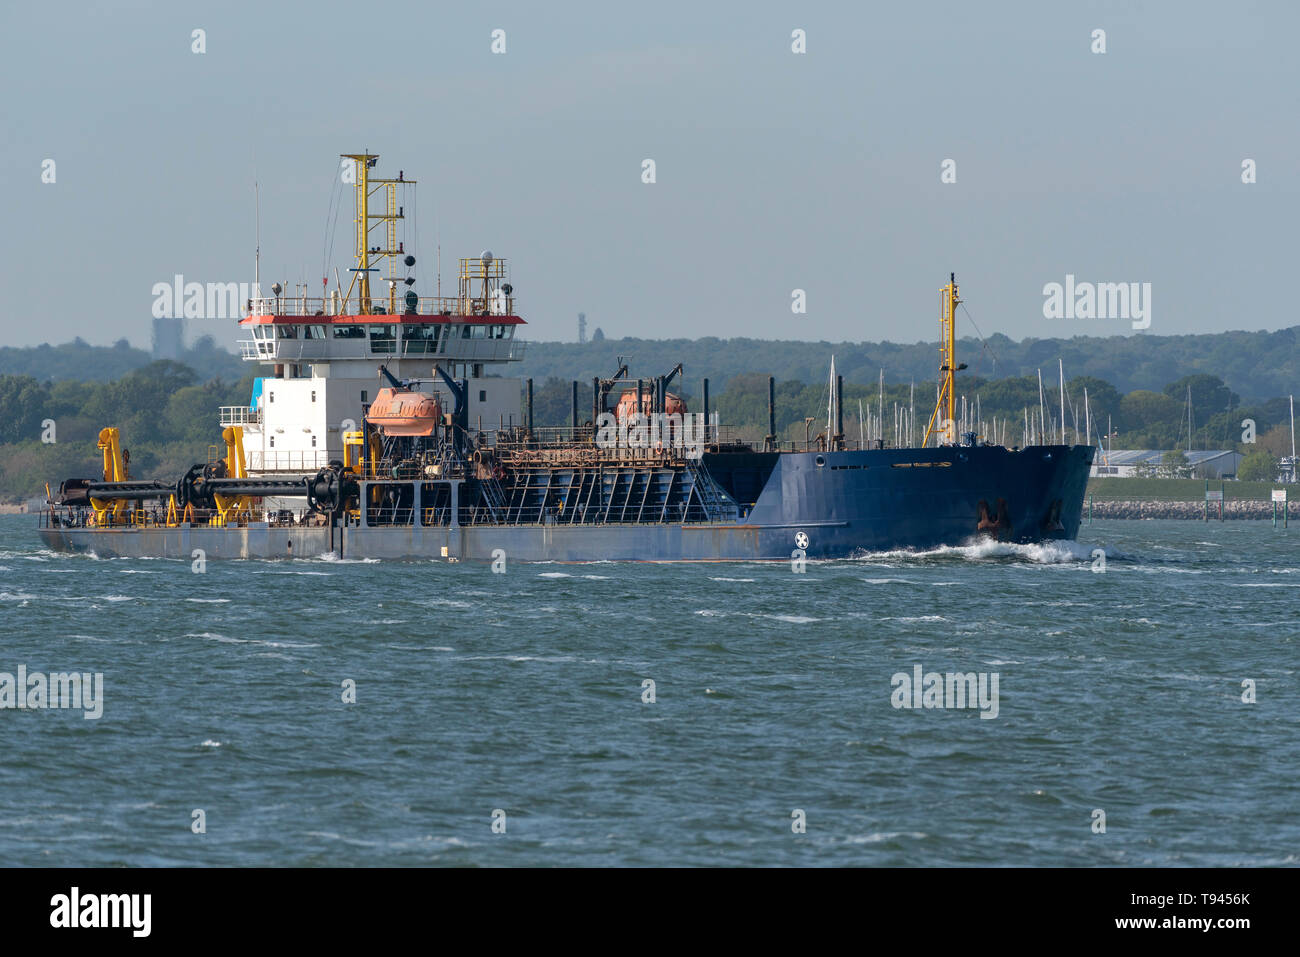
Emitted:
<point x="304" y="330"/>
<point x="475" y="327"/>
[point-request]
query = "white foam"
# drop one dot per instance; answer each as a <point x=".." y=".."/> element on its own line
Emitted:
<point x="1041" y="553"/>
<point x="448" y="602"/>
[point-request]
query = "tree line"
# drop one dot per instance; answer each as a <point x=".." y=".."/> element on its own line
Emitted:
<point x="168" y="414"/>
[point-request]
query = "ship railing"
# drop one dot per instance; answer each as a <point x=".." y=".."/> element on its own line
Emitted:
<point x="405" y="472"/>
<point x="336" y="305"/>
<point x="156" y="516"/>
<point x="436" y="516"/>
<point x="563" y="436"/>
<point x="567" y="446"/>
<point x="287" y="461"/>
<point x="384" y="515"/>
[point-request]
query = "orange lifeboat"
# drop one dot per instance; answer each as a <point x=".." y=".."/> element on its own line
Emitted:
<point x="404" y="412"/>
<point x="673" y="404"/>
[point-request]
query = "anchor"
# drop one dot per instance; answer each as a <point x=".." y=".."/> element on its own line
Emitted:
<point x="995" y="526"/>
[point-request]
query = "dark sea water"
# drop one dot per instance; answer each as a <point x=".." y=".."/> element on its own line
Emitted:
<point x="522" y="692"/>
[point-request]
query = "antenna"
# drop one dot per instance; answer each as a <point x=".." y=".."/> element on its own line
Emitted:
<point x="257" y="242"/>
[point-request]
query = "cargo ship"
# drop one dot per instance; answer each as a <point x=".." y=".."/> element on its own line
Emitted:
<point x="386" y="428"/>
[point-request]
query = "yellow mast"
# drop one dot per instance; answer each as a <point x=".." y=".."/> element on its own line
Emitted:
<point x="948" y="367"/>
<point x="362" y="164"/>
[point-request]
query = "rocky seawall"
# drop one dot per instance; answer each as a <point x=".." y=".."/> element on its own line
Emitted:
<point x="1252" y="511"/>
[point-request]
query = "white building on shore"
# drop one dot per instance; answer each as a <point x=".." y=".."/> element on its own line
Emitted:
<point x="1141" y="463"/>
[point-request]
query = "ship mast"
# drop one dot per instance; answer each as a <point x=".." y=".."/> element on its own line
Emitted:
<point x="362" y="164"/>
<point x="945" y="408"/>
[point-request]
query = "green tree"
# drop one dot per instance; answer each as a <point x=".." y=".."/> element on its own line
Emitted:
<point x="1209" y="395"/>
<point x="1277" y="440"/>
<point x="24" y="403"/>
<point x="553" y="403"/>
<point x="1174" y="464"/>
<point x="1258" y="465"/>
<point x="1142" y="409"/>
<point x="1104" y="401"/>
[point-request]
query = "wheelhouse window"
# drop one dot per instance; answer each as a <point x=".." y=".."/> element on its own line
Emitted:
<point x="383" y="338"/>
<point x="286" y="332"/>
<point x="313" y="332"/>
<point x="349" y="332"/>
<point x="423" y="338"/>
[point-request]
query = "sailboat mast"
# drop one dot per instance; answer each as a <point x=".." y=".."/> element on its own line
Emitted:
<point x="830" y="405"/>
<point x="1293" y="463"/>
<point x="1042" y="414"/>
<point x="1061" y="373"/>
<point x="1087" y="415"/>
<point x="880" y="406"/>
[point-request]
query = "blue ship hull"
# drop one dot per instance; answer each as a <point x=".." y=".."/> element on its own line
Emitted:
<point x="826" y="505"/>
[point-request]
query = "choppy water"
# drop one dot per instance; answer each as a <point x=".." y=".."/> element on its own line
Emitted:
<point x="522" y="691"/>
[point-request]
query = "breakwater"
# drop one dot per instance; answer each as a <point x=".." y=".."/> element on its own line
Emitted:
<point x="1138" y="509"/>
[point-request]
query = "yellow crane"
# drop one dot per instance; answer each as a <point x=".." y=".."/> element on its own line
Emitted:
<point x="115" y="470"/>
<point x="230" y="507"/>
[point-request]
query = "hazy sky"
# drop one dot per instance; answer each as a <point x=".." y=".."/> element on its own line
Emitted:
<point x="775" y="170"/>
